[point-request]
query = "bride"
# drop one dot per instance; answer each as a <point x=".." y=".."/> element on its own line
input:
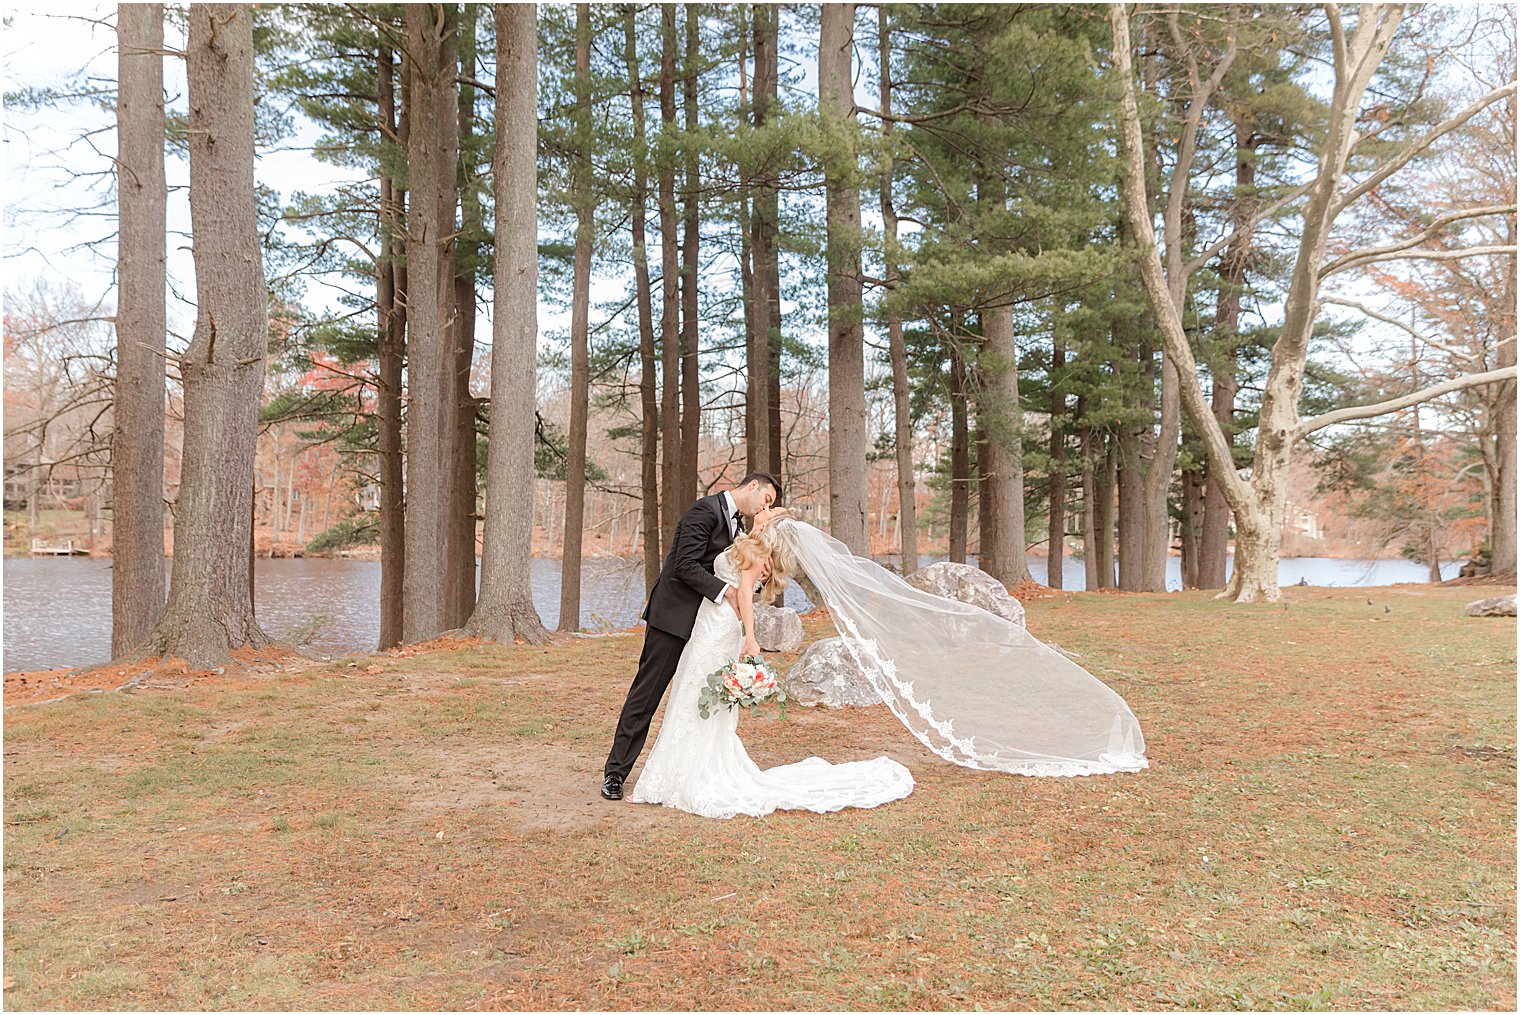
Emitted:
<point x="700" y="765"/>
<point x="977" y="690"/>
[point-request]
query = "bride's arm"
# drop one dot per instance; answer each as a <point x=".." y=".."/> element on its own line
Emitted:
<point x="747" y="581"/>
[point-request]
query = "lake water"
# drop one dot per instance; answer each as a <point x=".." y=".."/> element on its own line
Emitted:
<point x="58" y="610"/>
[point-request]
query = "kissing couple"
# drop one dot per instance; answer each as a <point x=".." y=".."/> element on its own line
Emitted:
<point x="976" y="689"/>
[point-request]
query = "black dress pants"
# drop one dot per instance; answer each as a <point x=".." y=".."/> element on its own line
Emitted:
<point x="657" y="665"/>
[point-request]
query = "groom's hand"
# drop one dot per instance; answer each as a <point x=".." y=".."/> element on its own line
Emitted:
<point x="732" y="595"/>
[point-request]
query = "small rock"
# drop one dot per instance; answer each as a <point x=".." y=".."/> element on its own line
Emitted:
<point x="1503" y="606"/>
<point x="968" y="584"/>
<point x="777" y="628"/>
<point x="828" y="675"/>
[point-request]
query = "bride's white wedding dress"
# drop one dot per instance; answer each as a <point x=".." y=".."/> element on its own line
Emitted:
<point x="700" y="765"/>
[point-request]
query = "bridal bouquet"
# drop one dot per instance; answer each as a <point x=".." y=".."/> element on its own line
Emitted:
<point x="746" y="682"/>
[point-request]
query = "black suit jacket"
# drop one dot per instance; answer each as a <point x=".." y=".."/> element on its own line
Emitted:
<point x="687" y="577"/>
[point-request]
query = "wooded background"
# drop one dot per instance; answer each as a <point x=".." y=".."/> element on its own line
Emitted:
<point x="969" y="278"/>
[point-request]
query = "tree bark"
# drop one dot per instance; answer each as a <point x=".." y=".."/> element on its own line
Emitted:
<point x="764" y="283"/>
<point x="907" y="513"/>
<point x="462" y="567"/>
<point x="1213" y="550"/>
<point x="1056" y="566"/>
<point x="1130" y="523"/>
<point x="1106" y="507"/>
<point x="1502" y="522"/>
<point x="1192" y="525"/>
<point x="1158" y="481"/>
<point x="649" y="413"/>
<point x="767" y="78"/>
<point x="431" y="361"/>
<point x="580" y="326"/>
<point x="691" y="377"/>
<point x="391" y="302"/>
<point x="210" y="610"/>
<point x="137" y="436"/>
<point x="1089" y="497"/>
<point x="670" y="277"/>
<point x="848" y="444"/>
<point x="1000" y="418"/>
<point x="505" y="611"/>
<point x="987" y="547"/>
<point x="960" y="452"/>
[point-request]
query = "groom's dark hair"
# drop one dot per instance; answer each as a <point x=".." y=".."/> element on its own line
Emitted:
<point x="767" y="479"/>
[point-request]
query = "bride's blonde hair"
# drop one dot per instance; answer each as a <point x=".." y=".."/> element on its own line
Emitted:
<point x="766" y="541"/>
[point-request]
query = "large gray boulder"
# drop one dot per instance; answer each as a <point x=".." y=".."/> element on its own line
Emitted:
<point x="968" y="584"/>
<point x="777" y="628"/>
<point x="828" y="675"/>
<point x="1503" y="606"/>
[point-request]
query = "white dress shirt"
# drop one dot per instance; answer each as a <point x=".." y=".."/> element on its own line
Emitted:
<point x="729" y="507"/>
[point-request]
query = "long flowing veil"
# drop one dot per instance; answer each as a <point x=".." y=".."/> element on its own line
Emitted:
<point x="976" y="689"/>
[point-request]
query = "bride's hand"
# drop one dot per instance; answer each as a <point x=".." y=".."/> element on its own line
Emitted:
<point x="751" y="648"/>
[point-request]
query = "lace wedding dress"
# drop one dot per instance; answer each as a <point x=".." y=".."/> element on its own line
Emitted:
<point x="700" y="765"/>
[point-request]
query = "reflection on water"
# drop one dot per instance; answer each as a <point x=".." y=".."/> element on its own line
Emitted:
<point x="58" y="610"/>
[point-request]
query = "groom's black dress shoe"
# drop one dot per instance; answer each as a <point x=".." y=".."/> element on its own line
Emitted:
<point x="612" y="787"/>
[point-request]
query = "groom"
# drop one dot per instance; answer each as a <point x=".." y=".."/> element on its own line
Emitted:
<point x="706" y="529"/>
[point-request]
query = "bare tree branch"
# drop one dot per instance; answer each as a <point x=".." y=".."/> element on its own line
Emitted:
<point x="1434" y="134"/>
<point x="1430" y="255"/>
<point x="1412" y="332"/>
<point x="1351" y="412"/>
<point x="1368" y="255"/>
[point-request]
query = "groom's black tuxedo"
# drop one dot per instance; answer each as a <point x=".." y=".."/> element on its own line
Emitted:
<point x="686" y="579"/>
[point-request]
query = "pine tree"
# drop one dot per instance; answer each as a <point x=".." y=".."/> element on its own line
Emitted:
<point x="137" y="437"/>
<point x="505" y="610"/>
<point x="210" y="607"/>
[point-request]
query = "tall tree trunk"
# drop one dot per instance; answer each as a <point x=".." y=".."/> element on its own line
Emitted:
<point x="1213" y="547"/>
<point x="1158" y="480"/>
<point x="754" y="454"/>
<point x="467" y="256"/>
<point x="580" y="326"/>
<point x="505" y="609"/>
<point x="764" y="290"/>
<point x="1055" y="569"/>
<point x="670" y="277"/>
<point x="907" y="514"/>
<point x="1192" y="525"/>
<point x="137" y="436"/>
<point x="649" y="414"/>
<point x="849" y="447"/>
<point x="1001" y="417"/>
<point x="691" y="377"/>
<point x="391" y="301"/>
<point x="1502" y="521"/>
<point x="431" y="361"/>
<point x="960" y="451"/>
<point x="1090" y="553"/>
<point x="1106" y="508"/>
<point x="987" y="542"/>
<point x="767" y="78"/>
<point x="1131" y="475"/>
<point x="210" y="611"/>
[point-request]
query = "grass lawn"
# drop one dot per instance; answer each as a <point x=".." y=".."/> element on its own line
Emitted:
<point x="1328" y="822"/>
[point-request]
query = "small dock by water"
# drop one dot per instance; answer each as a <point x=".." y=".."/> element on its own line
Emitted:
<point x="64" y="549"/>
